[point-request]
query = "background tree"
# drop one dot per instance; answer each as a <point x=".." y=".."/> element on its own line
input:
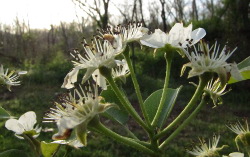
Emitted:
<point x="94" y="10"/>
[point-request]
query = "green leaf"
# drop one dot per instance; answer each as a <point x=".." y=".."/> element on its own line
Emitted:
<point x="118" y="113"/>
<point x="244" y="63"/>
<point x="244" y="68"/>
<point x="153" y="101"/>
<point x="245" y="75"/>
<point x="4" y="114"/>
<point x="13" y="153"/>
<point x="48" y="149"/>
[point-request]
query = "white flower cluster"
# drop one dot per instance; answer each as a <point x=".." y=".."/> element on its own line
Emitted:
<point x="76" y="109"/>
<point x="102" y="53"/>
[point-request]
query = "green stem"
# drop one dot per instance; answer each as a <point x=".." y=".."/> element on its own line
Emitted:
<point x="68" y="150"/>
<point x="169" y="57"/>
<point x="203" y="80"/>
<point x="107" y="74"/>
<point x="130" y="133"/>
<point x="185" y="123"/>
<point x="33" y="143"/>
<point x="136" y="85"/>
<point x="57" y="150"/>
<point x="128" y="141"/>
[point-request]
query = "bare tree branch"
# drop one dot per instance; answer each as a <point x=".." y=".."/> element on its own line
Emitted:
<point x="95" y="11"/>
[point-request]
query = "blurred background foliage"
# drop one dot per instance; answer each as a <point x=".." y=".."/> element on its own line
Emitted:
<point x="45" y="55"/>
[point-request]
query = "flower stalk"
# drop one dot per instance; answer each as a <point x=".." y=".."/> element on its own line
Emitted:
<point x="125" y="140"/>
<point x="107" y="74"/>
<point x="136" y="85"/>
<point x="203" y="80"/>
<point x="186" y="122"/>
<point x="169" y="57"/>
<point x="35" y="144"/>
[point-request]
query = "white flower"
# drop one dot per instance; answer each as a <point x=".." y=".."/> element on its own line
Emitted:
<point x="75" y="109"/>
<point x="238" y="128"/>
<point x="118" y="72"/>
<point x="243" y="134"/>
<point x="215" y="90"/>
<point x="206" y="149"/>
<point x="121" y="35"/>
<point x="121" y="69"/>
<point x="178" y="36"/>
<point x="235" y="154"/>
<point x="101" y="53"/>
<point x="206" y="59"/>
<point x="8" y="78"/>
<point x="24" y="125"/>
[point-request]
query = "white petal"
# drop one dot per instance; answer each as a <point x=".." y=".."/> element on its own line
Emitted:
<point x="36" y="135"/>
<point x="179" y="34"/>
<point x="235" y="72"/>
<point x="38" y="129"/>
<point x="236" y="154"/>
<point x="74" y="143"/>
<point x="22" y="72"/>
<point x="156" y="40"/>
<point x="60" y="142"/>
<point x="14" y="125"/>
<point x="19" y="136"/>
<point x="70" y="79"/>
<point x="176" y="28"/>
<point x="28" y="120"/>
<point x="100" y="80"/>
<point x="88" y="74"/>
<point x="197" y="35"/>
<point x="68" y="122"/>
<point x="73" y="75"/>
<point x="186" y="32"/>
<point x="64" y="124"/>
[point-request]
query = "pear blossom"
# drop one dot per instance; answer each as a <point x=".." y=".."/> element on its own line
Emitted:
<point x="24" y="125"/>
<point x="215" y="90"/>
<point x="121" y="35"/>
<point x="207" y="149"/>
<point x="235" y="154"/>
<point x="121" y="70"/>
<point x="211" y="59"/>
<point x="101" y="53"/>
<point x="76" y="110"/>
<point x="118" y="72"/>
<point x="9" y="78"/>
<point x="238" y="128"/>
<point x="243" y="133"/>
<point x="178" y="36"/>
